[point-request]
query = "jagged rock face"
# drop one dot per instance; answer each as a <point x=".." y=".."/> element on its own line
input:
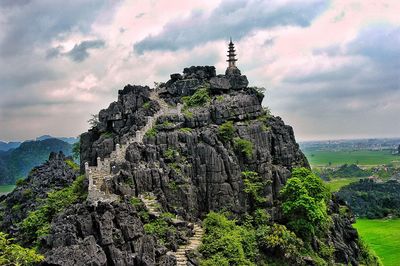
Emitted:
<point x="52" y="175"/>
<point x="116" y="123"/>
<point x="106" y="234"/>
<point x="343" y="235"/>
<point x="207" y="173"/>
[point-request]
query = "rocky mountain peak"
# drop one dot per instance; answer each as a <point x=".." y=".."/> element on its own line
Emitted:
<point x="206" y="173"/>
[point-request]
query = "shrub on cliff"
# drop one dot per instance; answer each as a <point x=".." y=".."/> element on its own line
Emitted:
<point x="13" y="254"/>
<point x="160" y="227"/>
<point x="226" y="131"/>
<point x="226" y="243"/>
<point x="243" y="146"/>
<point x="304" y="203"/>
<point x="253" y="186"/>
<point x="200" y="98"/>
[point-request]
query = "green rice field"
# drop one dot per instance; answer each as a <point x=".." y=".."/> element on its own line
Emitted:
<point x="337" y="183"/>
<point x="383" y="236"/>
<point x="6" y="189"/>
<point x="361" y="157"/>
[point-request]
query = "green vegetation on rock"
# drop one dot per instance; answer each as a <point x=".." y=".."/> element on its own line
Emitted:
<point x="160" y="227"/>
<point x="226" y="243"/>
<point x="200" y="98"/>
<point x="187" y="114"/>
<point x="226" y="131"/>
<point x="72" y="164"/>
<point x="185" y="130"/>
<point x="37" y="224"/>
<point x="253" y="186"/>
<point x="171" y="154"/>
<point x="107" y="135"/>
<point x="244" y="146"/>
<point x="151" y="133"/>
<point x="146" y="105"/>
<point x="14" y="254"/>
<point x="20" y="182"/>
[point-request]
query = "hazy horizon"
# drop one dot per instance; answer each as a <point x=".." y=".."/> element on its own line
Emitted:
<point x="331" y="68"/>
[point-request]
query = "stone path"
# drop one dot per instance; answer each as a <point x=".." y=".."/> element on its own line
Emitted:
<point x="97" y="175"/>
<point x="194" y="242"/>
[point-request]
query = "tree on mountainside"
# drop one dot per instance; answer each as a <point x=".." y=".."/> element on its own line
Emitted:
<point x="304" y="203"/>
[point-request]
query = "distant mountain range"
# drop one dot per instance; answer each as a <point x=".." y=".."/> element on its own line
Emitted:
<point x="15" y="163"/>
<point x="5" y="146"/>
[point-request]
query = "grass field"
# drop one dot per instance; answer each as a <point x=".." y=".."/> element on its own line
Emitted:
<point x="362" y="157"/>
<point x="383" y="236"/>
<point x="5" y="189"/>
<point x="338" y="183"/>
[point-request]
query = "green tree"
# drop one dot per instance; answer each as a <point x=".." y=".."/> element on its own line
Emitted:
<point x="304" y="203"/>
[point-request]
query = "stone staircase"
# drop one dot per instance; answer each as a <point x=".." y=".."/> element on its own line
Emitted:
<point x="194" y="242"/>
<point x="98" y="175"/>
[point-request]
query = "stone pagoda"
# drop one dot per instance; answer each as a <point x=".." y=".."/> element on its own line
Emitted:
<point x="232" y="70"/>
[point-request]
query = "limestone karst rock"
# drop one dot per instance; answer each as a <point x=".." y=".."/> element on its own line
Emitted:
<point x="147" y="145"/>
<point x="209" y="174"/>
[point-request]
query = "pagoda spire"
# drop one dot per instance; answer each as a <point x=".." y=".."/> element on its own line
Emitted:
<point x="231" y="55"/>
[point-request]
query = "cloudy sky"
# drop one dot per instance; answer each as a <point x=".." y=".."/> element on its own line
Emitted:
<point x="331" y="68"/>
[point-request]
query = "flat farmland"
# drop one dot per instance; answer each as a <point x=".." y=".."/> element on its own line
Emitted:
<point x="360" y="157"/>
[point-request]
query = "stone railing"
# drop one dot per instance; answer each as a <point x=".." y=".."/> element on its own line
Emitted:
<point x="97" y="175"/>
